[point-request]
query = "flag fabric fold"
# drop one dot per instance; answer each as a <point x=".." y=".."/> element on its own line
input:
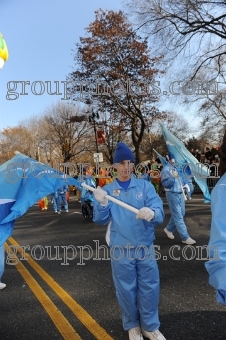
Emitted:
<point x="24" y="181"/>
<point x="161" y="158"/>
<point x="184" y="159"/>
<point x="216" y="265"/>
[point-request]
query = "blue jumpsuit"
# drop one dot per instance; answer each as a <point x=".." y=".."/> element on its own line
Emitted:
<point x="54" y="200"/>
<point x="216" y="266"/>
<point x="61" y="197"/>
<point x="2" y="260"/>
<point x="187" y="176"/>
<point x="5" y="206"/>
<point x="133" y="261"/>
<point x="175" y="201"/>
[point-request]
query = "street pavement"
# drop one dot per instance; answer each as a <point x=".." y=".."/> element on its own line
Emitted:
<point x="75" y="299"/>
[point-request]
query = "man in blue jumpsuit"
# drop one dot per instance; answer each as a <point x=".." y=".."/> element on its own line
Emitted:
<point x="216" y="266"/>
<point x="62" y="198"/>
<point x="173" y="184"/>
<point x="133" y="261"/>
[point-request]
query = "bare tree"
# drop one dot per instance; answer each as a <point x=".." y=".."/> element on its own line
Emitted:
<point x="192" y="30"/>
<point x="68" y="138"/>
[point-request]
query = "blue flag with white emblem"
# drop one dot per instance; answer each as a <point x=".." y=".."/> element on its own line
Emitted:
<point x="185" y="159"/>
<point x="23" y="182"/>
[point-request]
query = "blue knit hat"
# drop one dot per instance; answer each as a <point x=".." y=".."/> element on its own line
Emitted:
<point x="123" y="153"/>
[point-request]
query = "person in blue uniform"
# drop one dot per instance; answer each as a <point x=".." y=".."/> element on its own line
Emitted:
<point x="2" y="265"/>
<point x="133" y="261"/>
<point x="173" y="185"/>
<point x="53" y="196"/>
<point x="62" y="198"/>
<point x="188" y="179"/>
<point x="5" y="207"/>
<point x="216" y="266"/>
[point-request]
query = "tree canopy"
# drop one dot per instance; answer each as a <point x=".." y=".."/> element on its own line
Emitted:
<point x="115" y="74"/>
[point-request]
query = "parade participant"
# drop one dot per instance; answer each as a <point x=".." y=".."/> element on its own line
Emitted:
<point x="134" y="266"/>
<point x="62" y="198"/>
<point x="145" y="174"/>
<point x="85" y="174"/>
<point x="188" y="187"/>
<point x="2" y="265"/>
<point x="102" y="178"/>
<point x="43" y="203"/>
<point x="216" y="266"/>
<point x="186" y="179"/>
<point x="5" y="206"/>
<point x="173" y="185"/>
<point x="54" y="200"/>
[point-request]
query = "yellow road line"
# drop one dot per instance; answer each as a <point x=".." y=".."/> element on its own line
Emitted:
<point x="78" y="311"/>
<point x="62" y="324"/>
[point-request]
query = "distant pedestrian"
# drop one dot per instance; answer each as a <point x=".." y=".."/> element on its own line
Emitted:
<point x="208" y="156"/>
<point x="173" y="184"/>
<point x="62" y="198"/>
<point x="197" y="155"/>
<point x="54" y="200"/>
<point x="43" y="203"/>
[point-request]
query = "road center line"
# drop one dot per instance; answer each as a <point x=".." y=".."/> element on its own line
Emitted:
<point x="78" y="311"/>
<point x="62" y="324"/>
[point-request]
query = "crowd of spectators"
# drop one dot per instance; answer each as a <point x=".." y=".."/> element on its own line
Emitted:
<point x="207" y="156"/>
<point x="210" y="157"/>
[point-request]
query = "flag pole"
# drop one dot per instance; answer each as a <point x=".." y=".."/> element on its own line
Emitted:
<point x="124" y="205"/>
<point x="185" y="198"/>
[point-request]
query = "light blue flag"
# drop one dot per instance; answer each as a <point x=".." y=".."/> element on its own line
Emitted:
<point x="184" y="159"/>
<point x="161" y="158"/>
<point x="23" y="182"/>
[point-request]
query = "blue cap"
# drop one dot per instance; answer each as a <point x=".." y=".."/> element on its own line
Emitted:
<point x="123" y="153"/>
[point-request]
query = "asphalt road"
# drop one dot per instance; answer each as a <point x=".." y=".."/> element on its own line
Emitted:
<point x="63" y="298"/>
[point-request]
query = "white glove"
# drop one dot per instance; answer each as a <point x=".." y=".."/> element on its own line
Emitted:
<point x="174" y="173"/>
<point x="187" y="187"/>
<point x="146" y="214"/>
<point x="100" y="196"/>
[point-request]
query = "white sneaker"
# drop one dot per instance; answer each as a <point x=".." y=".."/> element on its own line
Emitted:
<point x="189" y="241"/>
<point x="2" y="285"/>
<point x="58" y="212"/>
<point x="156" y="335"/>
<point x="135" y="334"/>
<point x="67" y="210"/>
<point x="169" y="234"/>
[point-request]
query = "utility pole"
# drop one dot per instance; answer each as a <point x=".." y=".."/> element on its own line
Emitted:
<point x="91" y="119"/>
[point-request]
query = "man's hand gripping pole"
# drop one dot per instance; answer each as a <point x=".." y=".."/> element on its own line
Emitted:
<point x="110" y="198"/>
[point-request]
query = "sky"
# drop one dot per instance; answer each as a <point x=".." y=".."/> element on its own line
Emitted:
<point x="40" y="36"/>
